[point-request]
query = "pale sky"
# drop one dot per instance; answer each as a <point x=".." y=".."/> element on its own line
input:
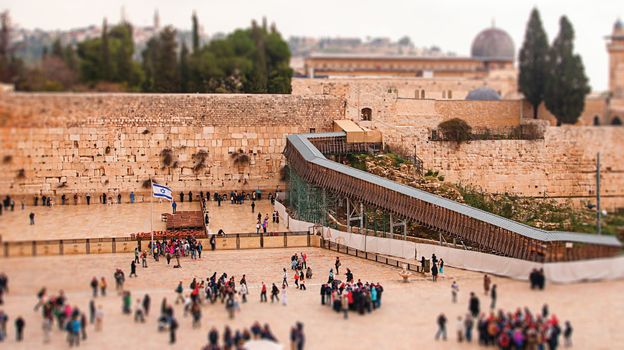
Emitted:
<point x="449" y="24"/>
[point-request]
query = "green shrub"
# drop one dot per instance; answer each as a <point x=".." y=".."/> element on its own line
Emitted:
<point x="455" y="130"/>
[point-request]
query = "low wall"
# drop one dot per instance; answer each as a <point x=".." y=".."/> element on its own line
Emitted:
<point x="127" y="245"/>
<point x="564" y="272"/>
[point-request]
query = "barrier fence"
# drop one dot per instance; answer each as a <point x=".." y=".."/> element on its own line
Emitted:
<point x="341" y="248"/>
<point x="128" y="244"/>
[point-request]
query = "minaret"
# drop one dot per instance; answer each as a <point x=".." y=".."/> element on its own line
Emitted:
<point x="124" y="18"/>
<point x="156" y="21"/>
<point x="615" y="47"/>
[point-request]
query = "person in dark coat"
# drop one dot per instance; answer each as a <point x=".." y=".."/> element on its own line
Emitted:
<point x="473" y="305"/>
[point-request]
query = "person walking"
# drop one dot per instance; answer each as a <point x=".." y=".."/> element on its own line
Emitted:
<point x="284" y="301"/>
<point x="441" y="266"/>
<point x="468" y="324"/>
<point x="493" y="295"/>
<point x="103" y="286"/>
<point x="441" y="327"/>
<point x="253" y="207"/>
<point x="337" y="264"/>
<point x="99" y="319"/>
<point x="285" y="278"/>
<point x="473" y="305"/>
<point x="460" y="329"/>
<point x="567" y="334"/>
<point x="434" y="272"/>
<point x="147" y="301"/>
<point x="133" y="269"/>
<point x="173" y="325"/>
<point x="47" y="328"/>
<point x="274" y="293"/>
<point x="19" y="328"/>
<point x="94" y="286"/>
<point x="243" y="291"/>
<point x="263" y="293"/>
<point x="486" y="284"/>
<point x="32" y="218"/>
<point x="454" y="291"/>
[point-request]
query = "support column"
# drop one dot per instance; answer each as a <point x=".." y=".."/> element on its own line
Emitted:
<point x="398" y="223"/>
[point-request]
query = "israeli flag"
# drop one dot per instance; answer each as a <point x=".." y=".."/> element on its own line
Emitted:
<point x="160" y="191"/>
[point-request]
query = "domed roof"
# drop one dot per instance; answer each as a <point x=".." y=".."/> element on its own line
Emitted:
<point x="493" y="43"/>
<point x="483" y="93"/>
<point x="618" y="24"/>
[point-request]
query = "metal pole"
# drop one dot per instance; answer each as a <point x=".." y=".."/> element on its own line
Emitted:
<point x="348" y="216"/>
<point x="598" y="224"/>
<point x="151" y="216"/>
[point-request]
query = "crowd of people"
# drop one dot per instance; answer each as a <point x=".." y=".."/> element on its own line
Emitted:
<point x="521" y="329"/>
<point x="238" y="338"/>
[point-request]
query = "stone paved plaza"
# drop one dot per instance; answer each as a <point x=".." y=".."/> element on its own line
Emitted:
<point x="120" y="220"/>
<point x="406" y="319"/>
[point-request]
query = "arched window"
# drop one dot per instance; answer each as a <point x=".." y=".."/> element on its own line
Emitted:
<point x="366" y="114"/>
<point x="616" y="121"/>
<point x="596" y="120"/>
<point x="449" y="94"/>
<point x="422" y="94"/>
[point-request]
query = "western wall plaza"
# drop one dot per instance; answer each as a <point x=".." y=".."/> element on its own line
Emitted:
<point x="249" y="175"/>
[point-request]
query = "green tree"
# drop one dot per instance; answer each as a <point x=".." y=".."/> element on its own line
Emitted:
<point x="566" y="84"/>
<point x="166" y="77"/>
<point x="184" y="69"/>
<point x="533" y="58"/>
<point x="195" y="33"/>
<point x="124" y="70"/>
<point x="10" y="66"/>
<point x="258" y="79"/>
<point x="150" y="57"/>
<point x="105" y="61"/>
<point x="57" y="48"/>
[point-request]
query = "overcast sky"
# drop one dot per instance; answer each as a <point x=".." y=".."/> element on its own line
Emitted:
<point x="449" y="24"/>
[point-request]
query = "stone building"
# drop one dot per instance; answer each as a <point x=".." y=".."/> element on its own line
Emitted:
<point x="492" y="53"/>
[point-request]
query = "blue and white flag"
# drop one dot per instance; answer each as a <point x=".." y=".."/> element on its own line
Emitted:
<point x="161" y="191"/>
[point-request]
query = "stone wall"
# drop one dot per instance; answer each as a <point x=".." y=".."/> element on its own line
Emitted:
<point x="77" y="143"/>
<point x="420" y="102"/>
<point x="560" y="166"/>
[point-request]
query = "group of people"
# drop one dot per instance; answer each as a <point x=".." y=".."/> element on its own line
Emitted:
<point x="238" y="338"/>
<point x="348" y="296"/>
<point x="437" y="266"/>
<point x="175" y="248"/>
<point x="521" y="329"/>
<point x="68" y="318"/>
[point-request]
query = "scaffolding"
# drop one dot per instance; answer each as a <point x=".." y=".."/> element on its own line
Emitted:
<point x="308" y="203"/>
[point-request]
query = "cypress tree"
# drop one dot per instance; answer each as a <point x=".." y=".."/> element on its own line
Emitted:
<point x="106" y="70"/>
<point x="184" y="69"/>
<point x="195" y="33"/>
<point x="259" y="75"/>
<point x="566" y="84"/>
<point x="533" y="56"/>
<point x="166" y="74"/>
<point x="57" y="48"/>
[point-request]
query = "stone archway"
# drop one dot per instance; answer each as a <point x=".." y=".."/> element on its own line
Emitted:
<point x="366" y="114"/>
<point x="616" y="121"/>
<point x="596" y="121"/>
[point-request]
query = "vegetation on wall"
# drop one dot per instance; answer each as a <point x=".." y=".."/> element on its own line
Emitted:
<point x="543" y="213"/>
<point x="455" y="130"/>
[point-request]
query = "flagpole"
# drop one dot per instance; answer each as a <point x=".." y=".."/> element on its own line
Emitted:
<point x="151" y="215"/>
